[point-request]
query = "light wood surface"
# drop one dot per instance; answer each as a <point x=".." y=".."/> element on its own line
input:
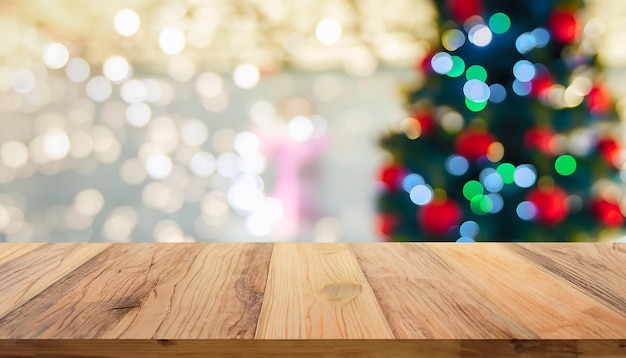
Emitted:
<point x="296" y="299"/>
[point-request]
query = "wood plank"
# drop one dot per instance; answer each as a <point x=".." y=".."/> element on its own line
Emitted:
<point x="536" y="299"/>
<point x="218" y="295"/>
<point x="317" y="291"/>
<point x="595" y="269"/>
<point x="421" y="348"/>
<point x="138" y="290"/>
<point x="424" y="297"/>
<point x="35" y="267"/>
<point x="14" y="250"/>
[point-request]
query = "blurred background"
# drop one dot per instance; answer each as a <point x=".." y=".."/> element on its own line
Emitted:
<point x="211" y="120"/>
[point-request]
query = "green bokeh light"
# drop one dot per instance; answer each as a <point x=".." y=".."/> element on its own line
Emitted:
<point x="472" y="188"/>
<point x="507" y="172"/>
<point x="499" y="23"/>
<point x="475" y="106"/>
<point x="476" y="72"/>
<point x="481" y="204"/>
<point x="458" y="67"/>
<point x="565" y="165"/>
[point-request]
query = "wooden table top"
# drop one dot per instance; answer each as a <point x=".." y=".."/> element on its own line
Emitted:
<point x="453" y="298"/>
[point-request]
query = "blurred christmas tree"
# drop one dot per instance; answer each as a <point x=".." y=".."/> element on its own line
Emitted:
<point x="512" y="137"/>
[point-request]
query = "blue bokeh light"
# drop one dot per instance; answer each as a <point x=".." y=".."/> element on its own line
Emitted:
<point x="542" y="37"/>
<point x="493" y="182"/>
<point x="412" y="180"/>
<point x="442" y="63"/>
<point x="469" y="229"/>
<point x="524" y="70"/>
<point x="497" y="202"/>
<point x="525" y="43"/>
<point x="421" y="194"/>
<point x="457" y="165"/>
<point x="476" y="90"/>
<point x="497" y="93"/>
<point x="522" y="88"/>
<point x="525" y="176"/>
<point x="526" y="210"/>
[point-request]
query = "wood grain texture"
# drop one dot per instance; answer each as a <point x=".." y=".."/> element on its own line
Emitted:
<point x="150" y="291"/>
<point x="35" y="267"/>
<point x="596" y="270"/>
<point x="522" y="290"/>
<point x="414" y="282"/>
<point x="313" y="300"/>
<point x="12" y="251"/>
<point x="318" y="291"/>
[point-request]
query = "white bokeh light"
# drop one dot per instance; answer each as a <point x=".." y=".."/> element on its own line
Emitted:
<point x="120" y="224"/>
<point x="56" y="143"/>
<point x="77" y="70"/>
<point x="23" y="80"/>
<point x="116" y="69"/>
<point x="246" y="143"/>
<point x="55" y="55"/>
<point x="158" y="166"/>
<point x="99" y="89"/>
<point x="133" y="91"/>
<point x="328" y="31"/>
<point x="209" y="85"/>
<point x="300" y="128"/>
<point x="202" y="164"/>
<point x="246" y="75"/>
<point x="138" y="114"/>
<point x="227" y="164"/>
<point x="126" y="22"/>
<point x="14" y="154"/>
<point x="171" y="40"/>
<point x="480" y="35"/>
<point x="194" y="132"/>
<point x="89" y="202"/>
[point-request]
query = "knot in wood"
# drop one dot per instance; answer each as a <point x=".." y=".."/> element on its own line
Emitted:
<point x="341" y="292"/>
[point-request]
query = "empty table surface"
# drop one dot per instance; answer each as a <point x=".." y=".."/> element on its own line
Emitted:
<point x="310" y="298"/>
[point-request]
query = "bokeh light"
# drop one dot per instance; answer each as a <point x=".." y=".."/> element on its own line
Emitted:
<point x="77" y="70"/>
<point x="565" y="165"/>
<point x="452" y="39"/>
<point x="411" y="181"/>
<point x="456" y="165"/>
<point x="480" y="35"/>
<point x="476" y="72"/>
<point x="172" y="40"/>
<point x="116" y="69"/>
<point x="469" y="229"/>
<point x="246" y="75"/>
<point x="526" y="210"/>
<point x="442" y="63"/>
<point x="328" y="31"/>
<point x="421" y="194"/>
<point x="472" y="188"/>
<point x="499" y="23"/>
<point x="126" y="22"/>
<point x="525" y="176"/>
<point x="55" y="55"/>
